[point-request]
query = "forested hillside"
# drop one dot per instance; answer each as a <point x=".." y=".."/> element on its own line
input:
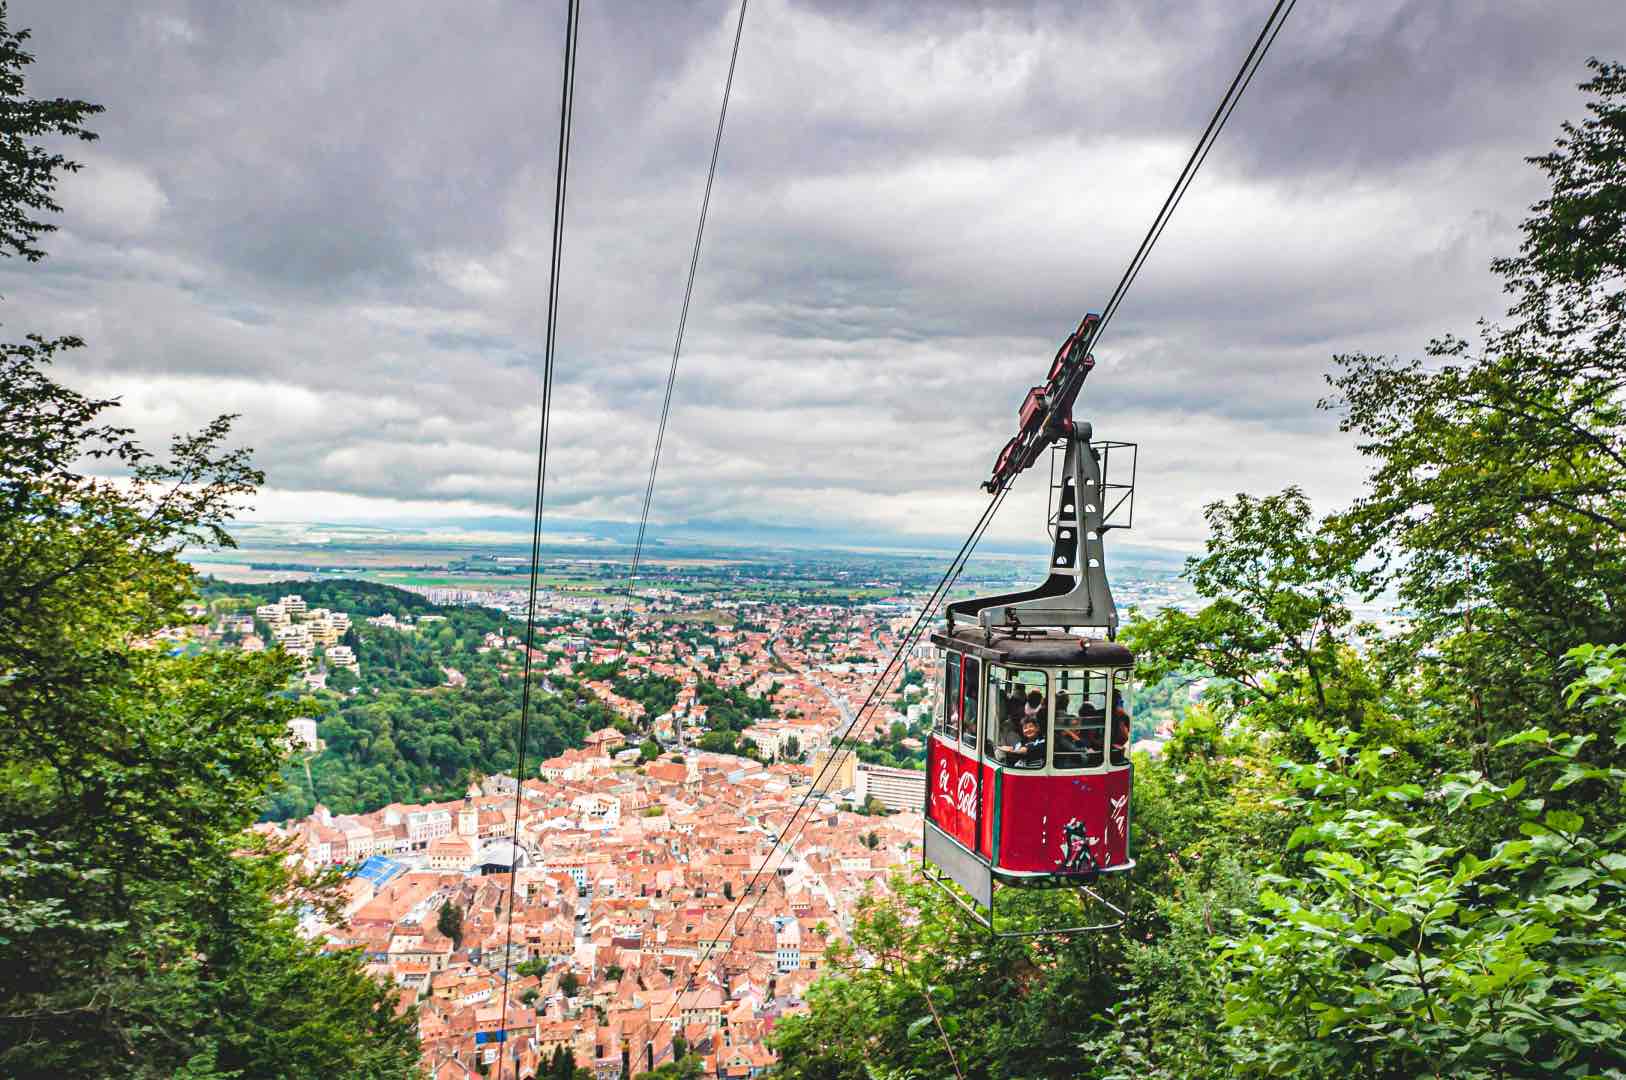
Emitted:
<point x="1360" y="856"/>
<point x="406" y="729"/>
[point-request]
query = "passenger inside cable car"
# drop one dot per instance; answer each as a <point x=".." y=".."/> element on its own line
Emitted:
<point x="1120" y="729"/>
<point x="1029" y="751"/>
<point x="1017" y="695"/>
<point x="1081" y="735"/>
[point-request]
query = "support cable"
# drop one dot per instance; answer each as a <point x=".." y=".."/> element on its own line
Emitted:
<point x="683" y="315"/>
<point x="1229" y="108"/>
<point x="567" y="101"/>
<point x="938" y="1020"/>
<point x="1222" y="114"/>
<point x="1199" y="154"/>
<point x="938" y="594"/>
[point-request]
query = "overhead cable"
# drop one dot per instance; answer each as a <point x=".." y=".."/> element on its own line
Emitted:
<point x="1222" y="114"/>
<point x="683" y="314"/>
<point x="567" y="100"/>
<point x="1199" y="154"/>
<point x="939" y="593"/>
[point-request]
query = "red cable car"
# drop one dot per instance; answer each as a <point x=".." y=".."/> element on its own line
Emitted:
<point x="1028" y="770"/>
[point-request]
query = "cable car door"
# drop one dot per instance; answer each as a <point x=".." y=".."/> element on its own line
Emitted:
<point x="954" y="769"/>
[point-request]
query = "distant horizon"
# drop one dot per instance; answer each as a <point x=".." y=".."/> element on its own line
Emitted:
<point x="741" y="534"/>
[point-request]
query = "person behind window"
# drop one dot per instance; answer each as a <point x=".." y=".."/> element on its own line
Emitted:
<point x="1082" y="741"/>
<point x="1014" y="705"/>
<point x="1120" y="729"/>
<point x="1034" y="707"/>
<point x="1029" y="751"/>
<point x="1069" y="738"/>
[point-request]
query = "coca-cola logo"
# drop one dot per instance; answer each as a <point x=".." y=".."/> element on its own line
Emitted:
<point x="942" y="792"/>
<point x="961" y="796"/>
<point x="968" y="794"/>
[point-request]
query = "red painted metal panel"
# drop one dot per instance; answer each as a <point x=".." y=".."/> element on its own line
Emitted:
<point x="952" y="789"/>
<point x="1047" y="821"/>
<point x="1032" y="406"/>
<point x="1060" y="362"/>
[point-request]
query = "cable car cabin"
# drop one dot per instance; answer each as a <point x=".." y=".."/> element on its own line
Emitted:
<point x="1028" y="773"/>
<point x="1028" y="767"/>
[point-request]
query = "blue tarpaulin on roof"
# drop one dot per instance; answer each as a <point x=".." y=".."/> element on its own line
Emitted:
<point x="379" y="870"/>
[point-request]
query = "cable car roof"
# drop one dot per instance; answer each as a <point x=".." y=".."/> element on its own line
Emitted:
<point x="1047" y="648"/>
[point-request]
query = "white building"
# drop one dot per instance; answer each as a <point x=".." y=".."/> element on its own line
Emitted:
<point x="293" y="639"/>
<point x="895" y="789"/>
<point x="426" y="825"/>
<point x="788" y="946"/>
<point x="597" y="811"/>
<point x="303" y="731"/>
<point x="321" y="627"/>
<point x="767" y="740"/>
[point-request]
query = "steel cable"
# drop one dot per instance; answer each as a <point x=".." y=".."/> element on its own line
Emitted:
<point x="1222" y="114"/>
<point x="567" y="100"/>
<point x="683" y="314"/>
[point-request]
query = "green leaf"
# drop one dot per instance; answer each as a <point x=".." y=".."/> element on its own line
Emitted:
<point x="1566" y="821"/>
<point x="1569" y="877"/>
<point x="1393" y="925"/>
<point x="1529" y="735"/>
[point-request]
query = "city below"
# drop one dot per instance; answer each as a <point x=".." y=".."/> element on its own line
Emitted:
<point x="681" y="874"/>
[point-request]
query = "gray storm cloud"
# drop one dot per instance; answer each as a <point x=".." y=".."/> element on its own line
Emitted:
<point x="334" y="218"/>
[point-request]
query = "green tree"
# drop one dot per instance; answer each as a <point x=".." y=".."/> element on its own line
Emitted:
<point x="531" y="968"/>
<point x="561" y="1065"/>
<point x="143" y="931"/>
<point x="1276" y="629"/>
<point x="1393" y="954"/>
<point x="1497" y="498"/>
<point x="719" y="742"/>
<point x="682" y="1069"/>
<point x="30" y="167"/>
<point x="342" y="680"/>
<point x="449" y="922"/>
<point x="649" y="750"/>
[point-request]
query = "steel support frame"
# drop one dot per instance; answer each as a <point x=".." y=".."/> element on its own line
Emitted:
<point x="986" y="921"/>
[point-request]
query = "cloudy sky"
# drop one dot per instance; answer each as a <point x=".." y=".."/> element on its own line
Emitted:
<point x="334" y="218"/>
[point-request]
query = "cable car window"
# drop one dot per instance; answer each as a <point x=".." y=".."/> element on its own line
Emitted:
<point x="1012" y="694"/>
<point x="1081" y="719"/>
<point x="973" y="698"/>
<point x="1122" y="725"/>
<point x="950" y="727"/>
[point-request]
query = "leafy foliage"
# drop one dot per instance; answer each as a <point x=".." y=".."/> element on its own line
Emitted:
<point x="1498" y="494"/>
<point x="28" y="168"/>
<point x="143" y="932"/>
<point x="1359" y="855"/>
<point x="1399" y="955"/>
